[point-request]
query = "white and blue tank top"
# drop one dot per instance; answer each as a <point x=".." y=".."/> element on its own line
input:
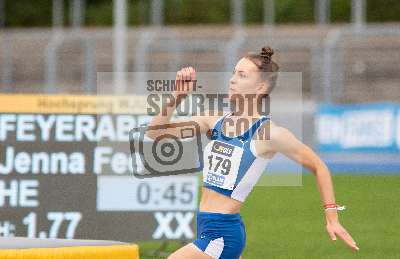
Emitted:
<point x="231" y="165"/>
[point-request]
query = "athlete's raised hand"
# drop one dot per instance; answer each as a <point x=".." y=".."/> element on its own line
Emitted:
<point x="185" y="79"/>
<point x="336" y="229"/>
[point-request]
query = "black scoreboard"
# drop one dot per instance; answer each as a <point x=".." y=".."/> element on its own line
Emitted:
<point x="66" y="172"/>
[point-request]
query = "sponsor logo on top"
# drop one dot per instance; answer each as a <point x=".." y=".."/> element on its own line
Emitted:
<point x="222" y="149"/>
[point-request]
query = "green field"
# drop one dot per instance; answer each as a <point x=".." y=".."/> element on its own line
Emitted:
<point x="288" y="222"/>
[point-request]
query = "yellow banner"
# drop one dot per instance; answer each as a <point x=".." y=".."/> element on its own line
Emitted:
<point x="81" y="104"/>
<point x="88" y="252"/>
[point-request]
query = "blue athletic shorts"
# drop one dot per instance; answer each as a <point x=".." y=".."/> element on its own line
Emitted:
<point x="220" y="235"/>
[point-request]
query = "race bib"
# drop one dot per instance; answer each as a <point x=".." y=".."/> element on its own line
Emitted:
<point x="221" y="164"/>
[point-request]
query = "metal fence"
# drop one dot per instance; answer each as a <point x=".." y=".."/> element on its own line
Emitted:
<point x="237" y="10"/>
<point x="338" y="63"/>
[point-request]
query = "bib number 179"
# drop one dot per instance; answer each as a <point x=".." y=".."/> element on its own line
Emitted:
<point x="224" y="164"/>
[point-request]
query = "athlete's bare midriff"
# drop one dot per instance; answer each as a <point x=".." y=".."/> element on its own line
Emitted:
<point x="212" y="201"/>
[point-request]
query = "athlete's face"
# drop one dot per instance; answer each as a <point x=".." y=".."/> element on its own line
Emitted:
<point x="246" y="80"/>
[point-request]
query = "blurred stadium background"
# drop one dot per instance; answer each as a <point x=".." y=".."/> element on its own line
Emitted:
<point x="348" y="52"/>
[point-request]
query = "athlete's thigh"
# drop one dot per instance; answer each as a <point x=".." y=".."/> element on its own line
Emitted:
<point x="189" y="251"/>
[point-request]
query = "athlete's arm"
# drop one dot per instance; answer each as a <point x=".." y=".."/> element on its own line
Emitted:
<point x="283" y="141"/>
<point x="184" y="82"/>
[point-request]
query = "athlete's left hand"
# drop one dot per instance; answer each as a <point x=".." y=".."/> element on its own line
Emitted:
<point x="336" y="229"/>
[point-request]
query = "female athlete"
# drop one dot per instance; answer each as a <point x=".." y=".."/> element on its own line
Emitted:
<point x="242" y="158"/>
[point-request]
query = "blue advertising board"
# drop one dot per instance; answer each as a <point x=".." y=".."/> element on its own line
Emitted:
<point x="358" y="127"/>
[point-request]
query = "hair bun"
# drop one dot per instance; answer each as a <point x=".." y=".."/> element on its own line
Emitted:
<point x="266" y="54"/>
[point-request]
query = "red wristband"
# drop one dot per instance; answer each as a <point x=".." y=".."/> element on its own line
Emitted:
<point x="330" y="205"/>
